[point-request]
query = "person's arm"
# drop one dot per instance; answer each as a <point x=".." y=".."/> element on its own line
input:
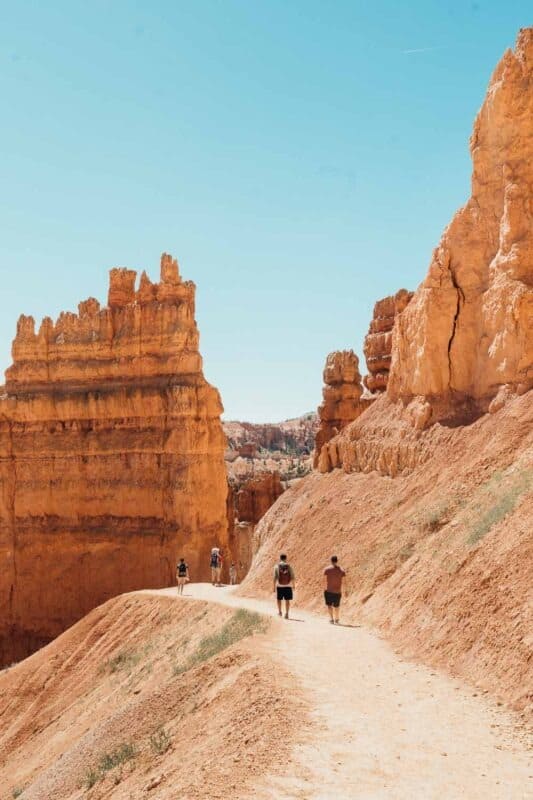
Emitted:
<point x="275" y="577"/>
<point x="293" y="578"/>
<point x="325" y="581"/>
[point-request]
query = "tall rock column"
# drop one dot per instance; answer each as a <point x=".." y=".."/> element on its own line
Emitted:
<point x="378" y="341"/>
<point x="111" y="457"/>
<point x="341" y="397"/>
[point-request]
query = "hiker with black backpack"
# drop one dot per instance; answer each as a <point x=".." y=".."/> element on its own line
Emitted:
<point x="182" y="574"/>
<point x="283" y="584"/>
<point x="215" y="566"/>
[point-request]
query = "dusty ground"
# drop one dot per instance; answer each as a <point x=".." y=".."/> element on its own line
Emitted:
<point x="440" y="559"/>
<point x="111" y="683"/>
<point x="305" y="711"/>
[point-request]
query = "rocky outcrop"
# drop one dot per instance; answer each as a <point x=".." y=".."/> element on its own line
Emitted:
<point x="378" y="341"/>
<point x="464" y="343"/>
<point x="467" y="331"/>
<point x="341" y="397"/>
<point x="248" y="502"/>
<point x="111" y="456"/>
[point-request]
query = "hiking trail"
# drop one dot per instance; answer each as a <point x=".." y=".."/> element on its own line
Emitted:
<point x="381" y="726"/>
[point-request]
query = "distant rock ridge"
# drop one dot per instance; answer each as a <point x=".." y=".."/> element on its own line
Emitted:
<point x="111" y="457"/>
<point x="462" y="344"/>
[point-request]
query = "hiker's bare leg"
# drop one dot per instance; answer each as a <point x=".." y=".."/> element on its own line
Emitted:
<point x="279" y="607"/>
<point x="330" y="612"/>
<point x="336" y="612"/>
<point x="287" y="606"/>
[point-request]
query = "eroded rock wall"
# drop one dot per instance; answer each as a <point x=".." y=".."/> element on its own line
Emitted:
<point x="111" y="457"/>
<point x="467" y="331"/>
<point x="378" y="341"/>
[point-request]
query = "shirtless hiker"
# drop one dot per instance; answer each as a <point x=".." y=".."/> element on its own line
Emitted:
<point x="333" y="578"/>
<point x="283" y="584"/>
<point x="182" y="574"/>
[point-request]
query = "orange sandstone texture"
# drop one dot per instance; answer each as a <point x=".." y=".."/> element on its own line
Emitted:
<point x="468" y="330"/>
<point x="378" y="341"/>
<point x="248" y="502"/>
<point x="111" y="457"/>
<point x="341" y="397"/>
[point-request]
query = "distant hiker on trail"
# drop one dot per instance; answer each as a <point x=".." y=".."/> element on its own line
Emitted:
<point x="232" y="574"/>
<point x="182" y="574"/>
<point x="283" y="583"/>
<point x="333" y="578"/>
<point x="219" y="568"/>
<point x="215" y="566"/>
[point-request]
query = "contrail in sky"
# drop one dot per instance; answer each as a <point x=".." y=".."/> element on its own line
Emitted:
<point x="422" y="49"/>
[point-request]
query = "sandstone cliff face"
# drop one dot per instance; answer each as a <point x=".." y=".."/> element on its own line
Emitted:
<point x="248" y="502"/>
<point x="467" y="331"/>
<point x="463" y="345"/>
<point x="111" y="457"/>
<point x="341" y="397"/>
<point x="378" y="341"/>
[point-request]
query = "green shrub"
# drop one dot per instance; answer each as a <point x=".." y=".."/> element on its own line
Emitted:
<point x="243" y="623"/>
<point x="160" y="741"/>
<point x="124" y="661"/>
<point x="109" y="761"/>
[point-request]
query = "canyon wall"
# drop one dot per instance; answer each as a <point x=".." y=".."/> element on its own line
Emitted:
<point x="111" y="457"/>
<point x="463" y="343"/>
<point x="467" y="332"/>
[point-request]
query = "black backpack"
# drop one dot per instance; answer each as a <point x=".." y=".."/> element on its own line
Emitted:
<point x="284" y="574"/>
<point x="182" y="569"/>
<point x="214" y="560"/>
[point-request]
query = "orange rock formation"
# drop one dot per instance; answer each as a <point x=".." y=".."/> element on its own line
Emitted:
<point x="467" y="331"/>
<point x="378" y="341"/>
<point x="111" y="456"/>
<point x="341" y="397"/>
<point x="248" y="502"/>
<point x="464" y="343"/>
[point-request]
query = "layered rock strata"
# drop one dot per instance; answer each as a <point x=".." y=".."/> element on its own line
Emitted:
<point x="341" y="402"/>
<point x="248" y="502"/>
<point x="464" y="343"/>
<point x="378" y="341"/>
<point x="468" y="330"/>
<point x="111" y="457"/>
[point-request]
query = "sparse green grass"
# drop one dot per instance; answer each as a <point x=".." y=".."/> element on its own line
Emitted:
<point x="124" y="661"/>
<point x="504" y="495"/>
<point x="243" y="623"/>
<point x="160" y="741"/>
<point x="109" y="761"/>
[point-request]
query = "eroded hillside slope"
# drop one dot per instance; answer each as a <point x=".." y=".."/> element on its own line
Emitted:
<point x="439" y="558"/>
<point x="145" y="692"/>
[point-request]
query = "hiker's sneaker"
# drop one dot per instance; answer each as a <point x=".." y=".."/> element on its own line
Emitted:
<point x="286" y="616"/>
<point x="280" y="614"/>
<point x="332" y="622"/>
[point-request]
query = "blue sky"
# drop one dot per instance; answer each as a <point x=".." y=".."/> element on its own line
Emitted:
<point x="300" y="159"/>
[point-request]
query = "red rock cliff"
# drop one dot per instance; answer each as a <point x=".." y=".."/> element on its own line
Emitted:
<point x="468" y="330"/>
<point x="111" y="457"/>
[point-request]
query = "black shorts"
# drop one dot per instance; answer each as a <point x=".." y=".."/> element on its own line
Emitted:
<point x="332" y="599"/>
<point x="284" y="592"/>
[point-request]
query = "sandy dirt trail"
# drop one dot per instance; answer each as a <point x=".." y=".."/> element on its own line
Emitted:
<point x="383" y="727"/>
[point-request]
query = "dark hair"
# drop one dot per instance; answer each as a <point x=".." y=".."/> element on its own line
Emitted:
<point x="283" y="557"/>
<point x="182" y="559"/>
<point x="334" y="559"/>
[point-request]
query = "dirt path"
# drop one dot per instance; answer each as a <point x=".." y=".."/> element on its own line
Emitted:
<point x="384" y="727"/>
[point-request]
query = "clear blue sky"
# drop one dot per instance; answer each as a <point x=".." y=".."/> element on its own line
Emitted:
<point x="299" y="158"/>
